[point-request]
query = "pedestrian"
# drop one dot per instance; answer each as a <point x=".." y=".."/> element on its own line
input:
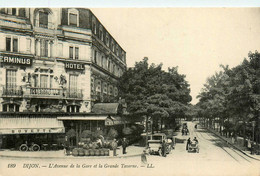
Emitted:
<point x="144" y="158"/>
<point x="195" y="139"/>
<point x="249" y="145"/>
<point x="124" y="145"/>
<point x="114" y="146"/>
<point x="164" y="148"/>
<point x="188" y="143"/>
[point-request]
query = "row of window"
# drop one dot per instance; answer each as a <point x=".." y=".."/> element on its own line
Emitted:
<point x="103" y="87"/>
<point x="107" y="40"/>
<point x="73" y="20"/>
<point x="40" y="80"/>
<point x="15" y="108"/>
<point x="14" y="11"/>
<point x="44" y="48"/>
<point x="106" y="63"/>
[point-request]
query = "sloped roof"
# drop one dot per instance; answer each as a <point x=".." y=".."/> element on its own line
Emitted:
<point x="105" y="108"/>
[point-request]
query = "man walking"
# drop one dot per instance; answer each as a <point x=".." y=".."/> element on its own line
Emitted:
<point x="114" y="147"/>
<point x="124" y="145"/>
<point x="188" y="143"/>
<point x="164" y="148"/>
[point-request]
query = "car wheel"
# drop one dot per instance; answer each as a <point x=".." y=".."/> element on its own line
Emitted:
<point x="36" y="147"/>
<point x="23" y="148"/>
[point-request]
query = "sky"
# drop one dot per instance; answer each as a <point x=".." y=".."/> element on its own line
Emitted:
<point x="197" y="40"/>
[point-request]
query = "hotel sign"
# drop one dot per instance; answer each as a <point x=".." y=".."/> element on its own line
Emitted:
<point x="74" y="66"/>
<point x="17" y="60"/>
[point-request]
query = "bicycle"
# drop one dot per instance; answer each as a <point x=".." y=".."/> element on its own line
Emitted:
<point x="32" y="147"/>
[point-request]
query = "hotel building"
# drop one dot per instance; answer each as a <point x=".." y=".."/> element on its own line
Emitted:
<point x="59" y="69"/>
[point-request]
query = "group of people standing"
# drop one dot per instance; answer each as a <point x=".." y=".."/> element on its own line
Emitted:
<point x="114" y="146"/>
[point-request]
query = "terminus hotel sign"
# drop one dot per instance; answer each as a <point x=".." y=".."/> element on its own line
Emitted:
<point x="17" y="60"/>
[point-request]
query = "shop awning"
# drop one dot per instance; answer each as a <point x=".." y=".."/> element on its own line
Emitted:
<point x="82" y="118"/>
<point x="105" y="108"/>
<point x="25" y="125"/>
<point x="115" y="120"/>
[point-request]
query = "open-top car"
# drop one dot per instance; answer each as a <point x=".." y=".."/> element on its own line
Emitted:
<point x="155" y="143"/>
<point x="193" y="146"/>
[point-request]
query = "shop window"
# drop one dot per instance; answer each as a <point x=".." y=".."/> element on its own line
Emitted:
<point x="73" y="108"/>
<point x="43" y="19"/>
<point x="11" y="108"/>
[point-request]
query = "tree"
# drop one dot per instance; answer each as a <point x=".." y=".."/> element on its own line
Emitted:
<point x="233" y="95"/>
<point x="153" y="93"/>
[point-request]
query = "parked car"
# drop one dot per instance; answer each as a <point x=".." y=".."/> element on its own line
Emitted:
<point x="155" y="143"/>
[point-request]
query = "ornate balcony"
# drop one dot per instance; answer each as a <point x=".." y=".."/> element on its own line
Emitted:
<point x="14" y="91"/>
<point x="74" y="94"/>
<point x="35" y="92"/>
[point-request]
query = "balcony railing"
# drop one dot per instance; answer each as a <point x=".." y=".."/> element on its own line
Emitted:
<point x="74" y="94"/>
<point x="12" y="91"/>
<point x="56" y="92"/>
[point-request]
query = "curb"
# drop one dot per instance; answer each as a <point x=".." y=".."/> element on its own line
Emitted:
<point x="70" y="157"/>
<point x="232" y="145"/>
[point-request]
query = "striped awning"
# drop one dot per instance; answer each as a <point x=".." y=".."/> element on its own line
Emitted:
<point x="26" y="125"/>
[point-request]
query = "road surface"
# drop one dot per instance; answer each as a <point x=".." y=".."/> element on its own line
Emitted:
<point x="215" y="158"/>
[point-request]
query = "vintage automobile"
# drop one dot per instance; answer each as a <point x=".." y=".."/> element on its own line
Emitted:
<point x="155" y="143"/>
<point x="193" y="146"/>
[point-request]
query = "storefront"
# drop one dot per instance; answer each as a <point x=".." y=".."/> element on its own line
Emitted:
<point x="41" y="130"/>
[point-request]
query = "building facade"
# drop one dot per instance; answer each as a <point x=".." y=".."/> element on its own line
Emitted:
<point x="55" y="62"/>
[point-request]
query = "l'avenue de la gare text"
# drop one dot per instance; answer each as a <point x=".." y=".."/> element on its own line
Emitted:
<point x="92" y="166"/>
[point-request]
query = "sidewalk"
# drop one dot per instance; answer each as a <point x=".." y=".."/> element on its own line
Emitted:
<point x="59" y="154"/>
<point x="228" y="141"/>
